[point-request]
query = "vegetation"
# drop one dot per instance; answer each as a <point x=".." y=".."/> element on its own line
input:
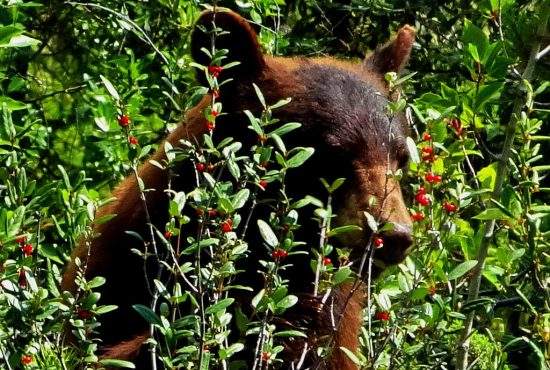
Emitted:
<point x="88" y="90"/>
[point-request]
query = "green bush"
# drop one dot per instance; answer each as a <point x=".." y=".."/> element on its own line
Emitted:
<point x="474" y="292"/>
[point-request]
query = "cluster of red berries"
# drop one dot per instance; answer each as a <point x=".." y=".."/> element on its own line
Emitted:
<point x="227" y="225"/>
<point x="133" y="140"/>
<point x="263" y="184"/>
<point x="417" y="216"/>
<point x="450" y="207"/>
<point x="26" y="248"/>
<point x="84" y="314"/>
<point x="432" y="178"/>
<point x="201" y="167"/>
<point x="428" y="154"/>
<point x="456" y="125"/>
<point x="124" y="120"/>
<point x="421" y="197"/>
<point x="382" y="315"/>
<point x="26" y="360"/>
<point x="22" y="278"/>
<point x="279" y="254"/>
<point x="215" y="71"/>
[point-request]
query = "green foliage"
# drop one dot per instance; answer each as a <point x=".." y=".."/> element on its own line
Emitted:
<point x="71" y="71"/>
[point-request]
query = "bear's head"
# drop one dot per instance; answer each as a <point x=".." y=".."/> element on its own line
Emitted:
<point x="343" y="109"/>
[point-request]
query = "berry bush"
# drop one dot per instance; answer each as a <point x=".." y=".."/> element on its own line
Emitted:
<point x="89" y="89"/>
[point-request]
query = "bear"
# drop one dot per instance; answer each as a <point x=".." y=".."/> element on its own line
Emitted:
<point x="343" y="108"/>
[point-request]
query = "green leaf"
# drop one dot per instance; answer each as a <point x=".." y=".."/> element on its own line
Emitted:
<point x="286" y="128"/>
<point x="287" y="302"/>
<point x="413" y="150"/>
<point x="149" y="315"/>
<point x="231" y="350"/>
<point x="351" y="356"/>
<point x="290" y="333"/>
<point x="240" y="198"/>
<point x="491" y="214"/>
<point x="461" y="269"/>
<point x="219" y="306"/>
<point x="117" y="363"/>
<point x="343" y="230"/>
<point x="267" y="233"/>
<point x="259" y="95"/>
<point x="20" y="41"/>
<point x="299" y="158"/>
<point x="110" y="88"/>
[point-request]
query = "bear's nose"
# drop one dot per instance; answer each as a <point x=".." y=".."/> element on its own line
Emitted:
<point x="397" y="241"/>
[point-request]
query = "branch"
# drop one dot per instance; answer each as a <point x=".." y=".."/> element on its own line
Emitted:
<point x="502" y="172"/>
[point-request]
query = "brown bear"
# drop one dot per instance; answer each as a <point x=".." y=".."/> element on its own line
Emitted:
<point x="343" y="108"/>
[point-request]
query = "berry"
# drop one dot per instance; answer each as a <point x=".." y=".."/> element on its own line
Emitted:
<point x="133" y="140"/>
<point x="124" y="120"/>
<point x="279" y="254"/>
<point x="212" y="213"/>
<point x="200" y="167"/>
<point x="263" y="184"/>
<point x="382" y="316"/>
<point x="22" y="279"/>
<point x="26" y="360"/>
<point x="428" y="150"/>
<point x="450" y="207"/>
<point x="227" y="225"/>
<point x="84" y="314"/>
<point x="378" y="242"/>
<point x="421" y="190"/>
<point x="417" y="216"/>
<point x="168" y="234"/>
<point x="426" y="136"/>
<point x="21" y="239"/>
<point x="456" y="125"/>
<point x="214" y="113"/>
<point x="428" y="154"/>
<point x="215" y="71"/>
<point x="422" y="199"/>
<point x="327" y="261"/>
<point x="433" y="179"/>
<point x="27" y="249"/>
<point x="210" y="126"/>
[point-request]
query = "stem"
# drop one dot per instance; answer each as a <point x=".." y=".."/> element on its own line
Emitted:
<point x="502" y="171"/>
<point x="322" y="242"/>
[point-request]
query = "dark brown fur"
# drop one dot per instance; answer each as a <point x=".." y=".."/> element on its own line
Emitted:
<point x="342" y="106"/>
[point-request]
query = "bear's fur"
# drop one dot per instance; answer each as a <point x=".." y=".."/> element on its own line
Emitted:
<point x="343" y="109"/>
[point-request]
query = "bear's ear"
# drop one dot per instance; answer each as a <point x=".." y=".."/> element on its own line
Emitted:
<point x="393" y="56"/>
<point x="237" y="36"/>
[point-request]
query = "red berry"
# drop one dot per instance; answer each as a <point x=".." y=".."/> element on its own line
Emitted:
<point x="22" y="279"/>
<point x="215" y="70"/>
<point x="327" y="261"/>
<point x="21" y="239"/>
<point x="456" y="125"/>
<point x="210" y="126"/>
<point x="421" y="190"/>
<point x="426" y="136"/>
<point x="450" y="207"/>
<point x="214" y="113"/>
<point x="279" y="254"/>
<point x="427" y="150"/>
<point x="26" y="360"/>
<point x="84" y="314"/>
<point x="27" y="249"/>
<point x="417" y="216"/>
<point x="422" y="199"/>
<point x="263" y="184"/>
<point x="200" y="167"/>
<point x="133" y="140"/>
<point x="227" y="225"/>
<point x="378" y="242"/>
<point x="382" y="316"/>
<point x="167" y="234"/>
<point x="124" y="120"/>
<point x="212" y="213"/>
<point x="210" y="167"/>
<point x="433" y="179"/>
